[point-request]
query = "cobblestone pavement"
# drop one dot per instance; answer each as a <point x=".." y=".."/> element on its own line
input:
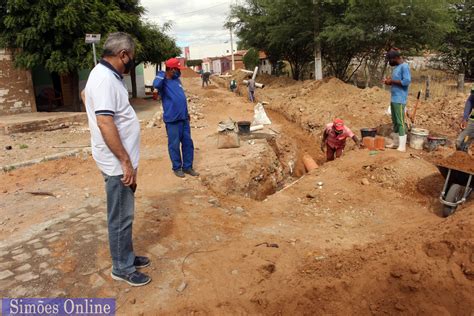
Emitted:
<point x="70" y="257"/>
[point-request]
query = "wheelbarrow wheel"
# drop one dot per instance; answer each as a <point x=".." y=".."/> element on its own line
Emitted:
<point x="455" y="194"/>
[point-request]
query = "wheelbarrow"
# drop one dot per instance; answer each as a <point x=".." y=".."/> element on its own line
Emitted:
<point x="457" y="188"/>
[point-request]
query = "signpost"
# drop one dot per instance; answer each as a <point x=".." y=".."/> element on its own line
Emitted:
<point x="93" y="39"/>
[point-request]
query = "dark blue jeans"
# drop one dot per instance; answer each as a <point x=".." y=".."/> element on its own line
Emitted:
<point x="179" y="141"/>
<point x="120" y="214"/>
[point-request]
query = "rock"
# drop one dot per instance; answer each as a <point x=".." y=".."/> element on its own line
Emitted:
<point x="365" y="181"/>
<point x="133" y="301"/>
<point x="414" y="270"/>
<point x="310" y="196"/>
<point x="214" y="201"/>
<point x="235" y="272"/>
<point x="396" y="274"/>
<point x="181" y="287"/>
<point x="239" y="209"/>
<point x="339" y="266"/>
<point x="8" y="147"/>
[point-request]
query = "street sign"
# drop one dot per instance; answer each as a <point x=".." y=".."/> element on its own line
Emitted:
<point x="92" y="38"/>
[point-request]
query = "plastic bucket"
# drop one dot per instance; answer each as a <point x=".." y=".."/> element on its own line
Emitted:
<point x="418" y="137"/>
<point x="368" y="132"/>
<point x="244" y="127"/>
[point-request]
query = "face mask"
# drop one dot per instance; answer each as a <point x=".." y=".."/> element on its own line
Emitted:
<point x="176" y="74"/>
<point x="128" y="65"/>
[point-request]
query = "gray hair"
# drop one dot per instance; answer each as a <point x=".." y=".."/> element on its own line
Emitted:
<point x="116" y="42"/>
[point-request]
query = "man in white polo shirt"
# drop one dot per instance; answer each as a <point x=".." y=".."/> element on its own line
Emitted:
<point x="115" y="138"/>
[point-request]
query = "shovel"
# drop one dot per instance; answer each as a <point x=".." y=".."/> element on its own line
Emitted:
<point x="411" y="119"/>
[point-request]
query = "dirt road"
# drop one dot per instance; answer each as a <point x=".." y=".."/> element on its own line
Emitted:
<point x="221" y="244"/>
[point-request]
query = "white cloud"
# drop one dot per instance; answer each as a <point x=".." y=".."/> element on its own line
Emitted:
<point x="198" y="24"/>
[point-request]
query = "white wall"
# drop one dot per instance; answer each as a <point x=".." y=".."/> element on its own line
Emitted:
<point x="265" y="67"/>
<point x="216" y="66"/>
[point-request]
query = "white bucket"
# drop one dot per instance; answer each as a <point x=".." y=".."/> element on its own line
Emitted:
<point x="418" y="137"/>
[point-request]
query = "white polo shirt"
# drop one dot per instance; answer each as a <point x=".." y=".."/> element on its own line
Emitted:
<point x="106" y="94"/>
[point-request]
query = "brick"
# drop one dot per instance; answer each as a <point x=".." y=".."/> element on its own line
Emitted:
<point x="43" y="265"/>
<point x="23" y="268"/>
<point x="22" y="257"/>
<point x="43" y="252"/>
<point x="26" y="277"/>
<point x="5" y="274"/>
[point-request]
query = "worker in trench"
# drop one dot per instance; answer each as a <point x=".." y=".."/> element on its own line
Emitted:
<point x="251" y="88"/>
<point x="467" y="125"/>
<point x="334" y="139"/>
<point x="176" y="118"/>
<point x="399" y="84"/>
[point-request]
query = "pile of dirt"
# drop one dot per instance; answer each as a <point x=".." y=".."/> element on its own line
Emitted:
<point x="188" y="73"/>
<point x="312" y="104"/>
<point x="403" y="274"/>
<point x="458" y="160"/>
<point x="442" y="115"/>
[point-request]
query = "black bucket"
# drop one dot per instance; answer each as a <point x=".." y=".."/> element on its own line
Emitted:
<point x="368" y="132"/>
<point x="244" y="127"/>
<point x="434" y="142"/>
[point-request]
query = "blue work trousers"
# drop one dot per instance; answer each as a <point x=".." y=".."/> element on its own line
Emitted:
<point x="180" y="144"/>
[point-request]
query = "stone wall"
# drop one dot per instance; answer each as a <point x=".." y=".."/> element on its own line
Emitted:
<point x="16" y="87"/>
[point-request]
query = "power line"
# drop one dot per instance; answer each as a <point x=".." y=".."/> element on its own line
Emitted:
<point x="195" y="11"/>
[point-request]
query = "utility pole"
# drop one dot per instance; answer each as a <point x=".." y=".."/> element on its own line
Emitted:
<point x="318" y="67"/>
<point x="232" y="47"/>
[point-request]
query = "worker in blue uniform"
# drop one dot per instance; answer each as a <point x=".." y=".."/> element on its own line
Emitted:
<point x="176" y="118"/>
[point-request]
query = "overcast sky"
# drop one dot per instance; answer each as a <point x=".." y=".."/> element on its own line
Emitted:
<point x="196" y="23"/>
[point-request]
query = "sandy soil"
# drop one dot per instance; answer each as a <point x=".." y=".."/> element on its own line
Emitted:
<point x="350" y="247"/>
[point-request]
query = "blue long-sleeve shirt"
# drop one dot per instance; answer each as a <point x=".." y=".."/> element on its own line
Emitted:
<point x="400" y="93"/>
<point x="175" y="104"/>
<point x="468" y="108"/>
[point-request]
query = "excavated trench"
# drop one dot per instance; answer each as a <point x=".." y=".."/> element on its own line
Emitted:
<point x="266" y="162"/>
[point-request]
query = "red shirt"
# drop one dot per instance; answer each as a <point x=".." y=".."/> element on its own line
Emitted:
<point x="337" y="140"/>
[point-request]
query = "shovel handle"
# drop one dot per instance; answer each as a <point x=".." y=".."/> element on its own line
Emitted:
<point x="416" y="106"/>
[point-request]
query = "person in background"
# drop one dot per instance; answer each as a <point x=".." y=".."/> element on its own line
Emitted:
<point x="233" y="85"/>
<point x="115" y="139"/>
<point x="176" y="118"/>
<point x="399" y="83"/>
<point x="334" y="139"/>
<point x="251" y="89"/>
<point x="205" y="78"/>
<point x="467" y="125"/>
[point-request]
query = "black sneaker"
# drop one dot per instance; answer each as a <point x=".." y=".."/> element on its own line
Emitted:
<point x="191" y="172"/>
<point x="141" y="262"/>
<point x="179" y="173"/>
<point x="134" y="279"/>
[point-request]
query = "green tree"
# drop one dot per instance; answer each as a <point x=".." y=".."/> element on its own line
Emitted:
<point x="251" y="59"/>
<point x="282" y="33"/>
<point x="458" y="46"/>
<point x="51" y="33"/>
<point x="194" y="62"/>
<point x="347" y="30"/>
